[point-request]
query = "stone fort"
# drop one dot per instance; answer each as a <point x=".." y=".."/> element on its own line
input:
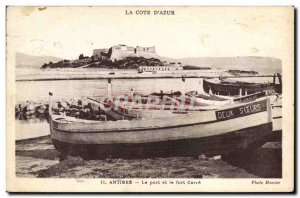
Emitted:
<point x="122" y="51"/>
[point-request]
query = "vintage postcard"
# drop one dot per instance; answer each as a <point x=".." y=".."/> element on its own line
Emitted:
<point x="150" y="99"/>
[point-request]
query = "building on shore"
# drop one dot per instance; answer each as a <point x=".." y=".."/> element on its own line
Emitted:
<point x="159" y="68"/>
<point x="121" y="51"/>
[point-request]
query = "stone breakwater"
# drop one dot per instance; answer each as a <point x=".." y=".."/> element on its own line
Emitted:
<point x="76" y="108"/>
<point x="30" y="109"/>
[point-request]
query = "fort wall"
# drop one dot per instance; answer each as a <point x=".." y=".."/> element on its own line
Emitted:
<point x="122" y="51"/>
<point x="146" y="52"/>
<point x="145" y="49"/>
<point x="99" y="52"/>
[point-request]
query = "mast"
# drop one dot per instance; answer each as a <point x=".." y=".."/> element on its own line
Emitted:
<point x="183" y="86"/>
<point x="50" y="103"/>
<point x="109" y="88"/>
<point x="279" y="79"/>
<point x="269" y="109"/>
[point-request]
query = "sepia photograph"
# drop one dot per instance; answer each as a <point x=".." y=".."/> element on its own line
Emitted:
<point x="150" y="99"/>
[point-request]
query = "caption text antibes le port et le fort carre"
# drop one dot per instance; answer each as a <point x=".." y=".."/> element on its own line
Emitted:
<point x="152" y="182"/>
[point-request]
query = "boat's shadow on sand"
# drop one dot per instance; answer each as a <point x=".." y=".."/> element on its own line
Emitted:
<point x="261" y="162"/>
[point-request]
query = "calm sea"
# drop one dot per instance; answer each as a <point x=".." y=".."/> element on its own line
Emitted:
<point x="38" y="90"/>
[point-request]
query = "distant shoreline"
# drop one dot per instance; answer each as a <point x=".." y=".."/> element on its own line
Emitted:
<point x="133" y="77"/>
<point x="88" y="74"/>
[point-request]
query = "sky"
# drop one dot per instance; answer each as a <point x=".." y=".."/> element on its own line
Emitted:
<point x="67" y="32"/>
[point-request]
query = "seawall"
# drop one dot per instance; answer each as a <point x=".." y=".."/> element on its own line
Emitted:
<point x="123" y="74"/>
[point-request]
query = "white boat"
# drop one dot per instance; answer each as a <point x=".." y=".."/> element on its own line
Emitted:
<point x="230" y="128"/>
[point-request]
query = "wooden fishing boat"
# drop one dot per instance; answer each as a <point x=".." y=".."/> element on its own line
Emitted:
<point x="238" y="126"/>
<point x="237" y="88"/>
<point x="219" y="87"/>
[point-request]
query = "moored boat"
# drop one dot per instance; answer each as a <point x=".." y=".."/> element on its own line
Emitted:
<point x="229" y="88"/>
<point x="237" y="126"/>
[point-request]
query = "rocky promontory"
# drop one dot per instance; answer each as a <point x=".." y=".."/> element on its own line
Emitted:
<point x="100" y="62"/>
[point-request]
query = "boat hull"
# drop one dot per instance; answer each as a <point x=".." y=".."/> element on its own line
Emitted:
<point x="235" y="89"/>
<point x="238" y="126"/>
<point x="246" y="138"/>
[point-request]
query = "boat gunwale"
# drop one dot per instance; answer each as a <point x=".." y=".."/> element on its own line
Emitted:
<point x="148" y="127"/>
<point x="112" y="130"/>
<point x="135" y="129"/>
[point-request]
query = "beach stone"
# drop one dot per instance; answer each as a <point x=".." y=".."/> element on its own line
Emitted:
<point x="73" y="103"/>
<point x="30" y="107"/>
<point x="42" y="109"/>
<point x="55" y="106"/>
<point x="210" y="175"/>
<point x="86" y="110"/>
<point x="22" y="105"/>
<point x="201" y="157"/>
<point x="65" y="105"/>
<point x="73" y="161"/>
<point x="79" y="102"/>
<point x="95" y="107"/>
<point x="217" y="157"/>
<point x="85" y="102"/>
<point x="18" y="109"/>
